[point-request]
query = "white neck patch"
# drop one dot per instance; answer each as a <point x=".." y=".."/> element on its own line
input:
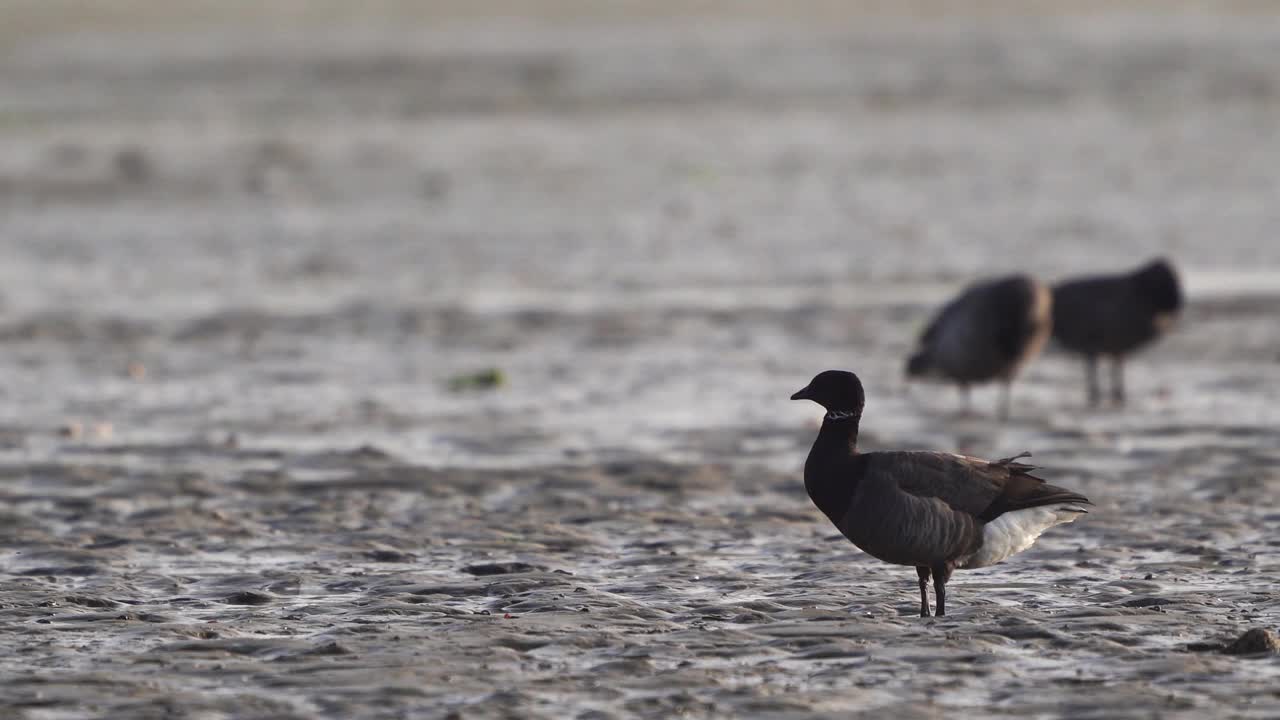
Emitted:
<point x="842" y="414"/>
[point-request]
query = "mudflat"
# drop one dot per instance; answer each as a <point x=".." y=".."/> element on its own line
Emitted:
<point x="434" y="361"/>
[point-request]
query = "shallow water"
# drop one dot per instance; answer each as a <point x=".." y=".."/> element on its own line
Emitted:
<point x="236" y="482"/>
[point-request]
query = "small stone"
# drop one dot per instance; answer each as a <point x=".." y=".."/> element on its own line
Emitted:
<point x="247" y="597"/>
<point x="330" y="648"/>
<point x="132" y="165"/>
<point x="505" y="568"/>
<point x="1253" y="642"/>
<point x="390" y="556"/>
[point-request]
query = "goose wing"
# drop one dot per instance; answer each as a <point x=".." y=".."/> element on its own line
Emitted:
<point x="950" y="313"/>
<point x="908" y="528"/>
<point x="984" y="489"/>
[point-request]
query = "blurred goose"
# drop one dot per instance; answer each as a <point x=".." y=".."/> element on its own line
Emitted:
<point x="987" y="333"/>
<point x="935" y="511"/>
<point x="1115" y="315"/>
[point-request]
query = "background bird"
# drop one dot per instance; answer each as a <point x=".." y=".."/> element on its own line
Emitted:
<point x="934" y="511"/>
<point x="987" y="333"/>
<point x="1114" y="316"/>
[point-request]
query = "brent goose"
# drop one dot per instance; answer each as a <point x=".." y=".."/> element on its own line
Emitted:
<point x="1114" y="315"/>
<point x="936" y="511"/>
<point x="987" y="333"/>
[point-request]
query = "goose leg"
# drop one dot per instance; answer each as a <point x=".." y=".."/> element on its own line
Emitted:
<point x="1091" y="379"/>
<point x="941" y="574"/>
<point x="923" y="572"/>
<point x="965" y="404"/>
<point x="1005" y="391"/>
<point x="1117" y="380"/>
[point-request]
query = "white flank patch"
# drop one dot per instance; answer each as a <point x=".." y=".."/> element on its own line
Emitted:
<point x="1013" y="532"/>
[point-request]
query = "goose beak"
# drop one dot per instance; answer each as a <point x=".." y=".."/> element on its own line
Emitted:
<point x="802" y="394"/>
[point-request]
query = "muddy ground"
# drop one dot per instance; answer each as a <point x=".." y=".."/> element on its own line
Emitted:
<point x="245" y="254"/>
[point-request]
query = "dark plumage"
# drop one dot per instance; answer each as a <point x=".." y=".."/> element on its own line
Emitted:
<point x="1113" y="316"/>
<point x="935" y="511"/>
<point x="987" y="333"/>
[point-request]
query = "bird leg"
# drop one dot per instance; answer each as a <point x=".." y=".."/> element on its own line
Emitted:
<point x="1117" y="380"/>
<point x="941" y="574"/>
<point x="1091" y="379"/>
<point x="966" y="405"/>
<point x="923" y="572"/>
<point x="1004" y="399"/>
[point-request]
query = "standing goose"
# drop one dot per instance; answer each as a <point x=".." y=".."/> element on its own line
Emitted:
<point x="987" y="333"/>
<point x="936" y="511"/>
<point x="1115" y="315"/>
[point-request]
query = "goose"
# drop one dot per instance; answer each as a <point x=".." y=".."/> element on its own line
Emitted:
<point x="986" y="333"/>
<point x="935" y="511"/>
<point x="1114" y="316"/>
